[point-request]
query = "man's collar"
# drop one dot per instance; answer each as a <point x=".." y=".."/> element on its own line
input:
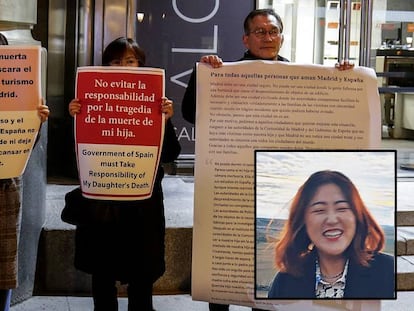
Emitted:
<point x="249" y="56"/>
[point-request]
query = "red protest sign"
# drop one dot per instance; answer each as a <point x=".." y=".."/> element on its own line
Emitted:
<point x="119" y="131"/>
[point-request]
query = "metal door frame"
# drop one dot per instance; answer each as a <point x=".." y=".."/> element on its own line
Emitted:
<point x="365" y="33"/>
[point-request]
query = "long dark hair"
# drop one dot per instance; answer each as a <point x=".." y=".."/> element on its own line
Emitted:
<point x="117" y="48"/>
<point x="292" y="248"/>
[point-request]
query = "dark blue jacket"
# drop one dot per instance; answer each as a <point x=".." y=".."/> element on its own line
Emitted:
<point x="374" y="282"/>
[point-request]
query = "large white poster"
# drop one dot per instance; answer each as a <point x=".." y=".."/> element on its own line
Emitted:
<point x="250" y="105"/>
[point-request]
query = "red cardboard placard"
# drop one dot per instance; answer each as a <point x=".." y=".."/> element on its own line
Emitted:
<point x="119" y="131"/>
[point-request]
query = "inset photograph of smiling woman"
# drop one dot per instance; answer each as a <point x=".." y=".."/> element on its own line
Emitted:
<point x="325" y="224"/>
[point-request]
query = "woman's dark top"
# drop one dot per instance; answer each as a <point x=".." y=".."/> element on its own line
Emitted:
<point x="131" y="246"/>
<point x="374" y="282"/>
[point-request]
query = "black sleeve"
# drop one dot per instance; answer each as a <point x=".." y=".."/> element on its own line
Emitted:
<point x="171" y="147"/>
<point x="188" y="105"/>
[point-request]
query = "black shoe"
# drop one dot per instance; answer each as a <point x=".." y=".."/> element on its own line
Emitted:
<point x="218" y="307"/>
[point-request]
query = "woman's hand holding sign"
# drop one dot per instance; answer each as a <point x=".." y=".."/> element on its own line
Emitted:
<point x="43" y="111"/>
<point x="167" y="107"/>
<point x="74" y="107"/>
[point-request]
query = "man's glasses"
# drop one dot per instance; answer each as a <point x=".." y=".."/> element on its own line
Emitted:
<point x="261" y="33"/>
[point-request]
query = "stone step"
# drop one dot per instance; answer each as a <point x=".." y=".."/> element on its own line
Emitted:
<point x="405" y="218"/>
<point x="56" y="274"/>
<point x="405" y="273"/>
<point x="405" y="240"/>
<point x="405" y="204"/>
<point x="405" y="235"/>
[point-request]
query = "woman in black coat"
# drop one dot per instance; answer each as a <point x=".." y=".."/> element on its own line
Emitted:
<point x="124" y="240"/>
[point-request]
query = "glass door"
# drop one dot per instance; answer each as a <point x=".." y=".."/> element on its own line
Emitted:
<point x="312" y="29"/>
<point x="380" y="35"/>
<point x="393" y="60"/>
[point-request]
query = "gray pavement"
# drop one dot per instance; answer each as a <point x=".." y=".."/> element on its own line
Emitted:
<point x="161" y="303"/>
<point x="404" y="302"/>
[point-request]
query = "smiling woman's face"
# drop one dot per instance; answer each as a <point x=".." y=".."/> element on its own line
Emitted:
<point x="330" y="221"/>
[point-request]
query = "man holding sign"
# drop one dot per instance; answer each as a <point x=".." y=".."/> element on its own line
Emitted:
<point x="123" y="127"/>
<point x="263" y="38"/>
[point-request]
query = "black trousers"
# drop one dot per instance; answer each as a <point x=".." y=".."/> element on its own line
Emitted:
<point x="5" y="295"/>
<point x="105" y="294"/>
<point x="218" y="307"/>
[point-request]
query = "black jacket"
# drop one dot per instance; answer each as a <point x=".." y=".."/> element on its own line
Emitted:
<point x="188" y="105"/>
<point x="374" y="282"/>
<point x="131" y="245"/>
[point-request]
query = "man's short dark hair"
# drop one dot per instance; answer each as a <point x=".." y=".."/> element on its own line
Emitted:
<point x="263" y="12"/>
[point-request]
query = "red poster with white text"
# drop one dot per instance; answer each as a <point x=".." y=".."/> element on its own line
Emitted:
<point x="119" y="131"/>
